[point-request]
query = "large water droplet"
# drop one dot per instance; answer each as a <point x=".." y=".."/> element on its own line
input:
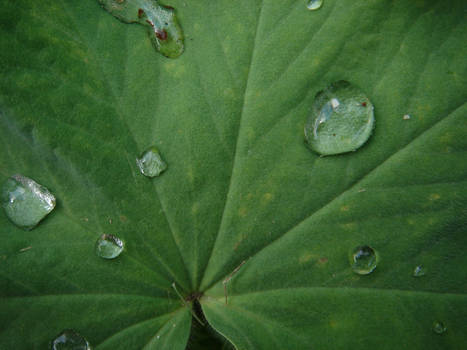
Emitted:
<point x="314" y="4"/>
<point x="25" y="201"/>
<point x="439" y="327"/>
<point x="151" y="163"/>
<point x="341" y="119"/>
<point x="363" y="260"/>
<point x="70" y="340"/>
<point x="163" y="28"/>
<point x="109" y="246"/>
<point x="419" y="271"/>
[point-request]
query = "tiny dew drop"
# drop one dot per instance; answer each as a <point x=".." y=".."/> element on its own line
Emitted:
<point x="314" y="4"/>
<point x="151" y="163"/>
<point x="439" y="327"/>
<point x="164" y="30"/>
<point x="363" y="260"/>
<point x="26" y="202"/>
<point x="109" y="246"/>
<point x="341" y="119"/>
<point x="70" y="340"/>
<point x="419" y="271"/>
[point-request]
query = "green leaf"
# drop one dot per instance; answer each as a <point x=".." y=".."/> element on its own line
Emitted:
<point x="244" y="206"/>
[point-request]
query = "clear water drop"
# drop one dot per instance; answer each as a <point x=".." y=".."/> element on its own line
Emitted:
<point x="151" y="163"/>
<point x="26" y="202"/>
<point x="419" y="271"/>
<point x="314" y="4"/>
<point x="70" y="340"/>
<point x="164" y="30"/>
<point x="363" y="260"/>
<point x="439" y="327"/>
<point x="109" y="246"/>
<point x="341" y="119"/>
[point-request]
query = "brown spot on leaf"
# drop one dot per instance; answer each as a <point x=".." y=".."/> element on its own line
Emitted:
<point x="323" y="260"/>
<point x="161" y="34"/>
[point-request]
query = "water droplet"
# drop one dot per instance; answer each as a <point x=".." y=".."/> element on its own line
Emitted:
<point x="151" y="163"/>
<point x="341" y="119"/>
<point x="314" y="4"/>
<point x="26" y="202"/>
<point x="70" y="340"/>
<point x="164" y="31"/>
<point x="406" y="117"/>
<point x="109" y="246"/>
<point x="439" y="327"/>
<point x="419" y="271"/>
<point x="363" y="260"/>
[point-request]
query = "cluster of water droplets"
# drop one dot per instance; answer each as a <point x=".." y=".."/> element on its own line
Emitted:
<point x="26" y="203"/>
<point x="341" y="120"/>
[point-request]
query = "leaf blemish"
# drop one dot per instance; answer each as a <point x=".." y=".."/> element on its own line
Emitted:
<point x="161" y="34"/>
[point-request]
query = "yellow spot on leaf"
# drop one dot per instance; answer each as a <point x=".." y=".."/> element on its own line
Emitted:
<point x="306" y="257"/>
<point x="323" y="261"/>
<point x="229" y="92"/>
<point x="190" y="175"/>
<point x="349" y="226"/>
<point x="176" y="70"/>
<point x="434" y="196"/>
<point x="266" y="198"/>
<point x="242" y="212"/>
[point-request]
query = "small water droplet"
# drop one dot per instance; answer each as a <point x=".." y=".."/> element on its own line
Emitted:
<point x="439" y="327"/>
<point x="26" y="202"/>
<point x="164" y="30"/>
<point x="151" y="163"/>
<point x="341" y="119"/>
<point x="109" y="246"/>
<point x="363" y="260"/>
<point x="314" y="4"/>
<point x="70" y="340"/>
<point x="419" y="271"/>
<point x="406" y="117"/>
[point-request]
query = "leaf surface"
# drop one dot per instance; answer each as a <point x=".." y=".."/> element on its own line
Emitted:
<point x="243" y="201"/>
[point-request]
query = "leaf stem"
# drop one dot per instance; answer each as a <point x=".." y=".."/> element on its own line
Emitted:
<point x="186" y="304"/>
